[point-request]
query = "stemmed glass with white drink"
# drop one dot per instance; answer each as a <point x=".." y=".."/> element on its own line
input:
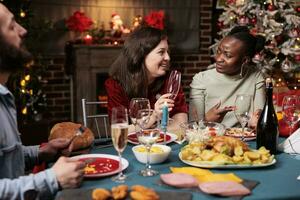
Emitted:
<point x="147" y="137"/>
<point x="119" y="133"/>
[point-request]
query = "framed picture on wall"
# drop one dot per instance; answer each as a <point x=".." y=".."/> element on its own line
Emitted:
<point x="221" y="4"/>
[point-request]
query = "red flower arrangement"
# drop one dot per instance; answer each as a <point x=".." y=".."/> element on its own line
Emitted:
<point x="155" y="19"/>
<point x="79" y="22"/>
<point x="230" y="1"/>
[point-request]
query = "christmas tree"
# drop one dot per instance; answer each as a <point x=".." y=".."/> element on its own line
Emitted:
<point x="27" y="84"/>
<point x="278" y="21"/>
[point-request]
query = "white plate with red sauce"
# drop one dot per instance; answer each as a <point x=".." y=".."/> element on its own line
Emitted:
<point x="170" y="137"/>
<point x="103" y="164"/>
<point x="249" y="134"/>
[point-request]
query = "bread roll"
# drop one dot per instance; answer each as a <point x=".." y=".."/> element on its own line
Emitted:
<point x="68" y="130"/>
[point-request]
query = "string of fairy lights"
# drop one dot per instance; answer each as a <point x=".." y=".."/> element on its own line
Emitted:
<point x="26" y="85"/>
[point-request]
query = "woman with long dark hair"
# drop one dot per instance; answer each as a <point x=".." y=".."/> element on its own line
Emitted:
<point x="142" y="70"/>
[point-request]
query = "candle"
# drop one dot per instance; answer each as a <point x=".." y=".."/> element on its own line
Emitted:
<point x="164" y="120"/>
<point x="165" y="115"/>
<point x="88" y="39"/>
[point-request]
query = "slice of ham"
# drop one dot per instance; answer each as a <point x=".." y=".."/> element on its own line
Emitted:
<point x="179" y="180"/>
<point x="225" y="188"/>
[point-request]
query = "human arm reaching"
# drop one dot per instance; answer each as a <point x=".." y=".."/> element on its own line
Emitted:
<point x="65" y="173"/>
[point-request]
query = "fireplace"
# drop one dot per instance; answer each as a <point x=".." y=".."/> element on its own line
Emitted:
<point x="90" y="66"/>
<point x="100" y="91"/>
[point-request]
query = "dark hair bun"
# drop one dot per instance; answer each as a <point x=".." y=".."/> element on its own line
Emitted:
<point x="253" y="44"/>
<point x="238" y="29"/>
<point x="260" y="43"/>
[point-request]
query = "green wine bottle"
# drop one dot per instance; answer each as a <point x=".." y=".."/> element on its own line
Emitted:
<point x="267" y="131"/>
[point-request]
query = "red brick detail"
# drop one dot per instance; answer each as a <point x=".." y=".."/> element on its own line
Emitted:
<point x="192" y="58"/>
<point x="58" y="87"/>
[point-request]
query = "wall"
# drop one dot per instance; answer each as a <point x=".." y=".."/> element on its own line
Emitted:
<point x="181" y="18"/>
<point x="58" y="86"/>
<point x="190" y="64"/>
<point x="57" y="89"/>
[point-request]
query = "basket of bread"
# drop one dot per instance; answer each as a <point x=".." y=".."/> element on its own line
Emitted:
<point x="224" y="151"/>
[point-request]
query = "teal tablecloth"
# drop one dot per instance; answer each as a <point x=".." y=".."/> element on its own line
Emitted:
<point x="275" y="182"/>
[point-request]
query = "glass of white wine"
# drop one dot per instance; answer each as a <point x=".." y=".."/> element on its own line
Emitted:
<point x="147" y="137"/>
<point x="119" y="133"/>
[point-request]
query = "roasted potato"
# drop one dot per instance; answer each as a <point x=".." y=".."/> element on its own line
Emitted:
<point x="225" y="150"/>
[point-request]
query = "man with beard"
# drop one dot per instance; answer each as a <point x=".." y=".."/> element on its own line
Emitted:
<point x="14" y="157"/>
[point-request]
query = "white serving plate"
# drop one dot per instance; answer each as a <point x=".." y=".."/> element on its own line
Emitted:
<point x="105" y="160"/>
<point x="214" y="165"/>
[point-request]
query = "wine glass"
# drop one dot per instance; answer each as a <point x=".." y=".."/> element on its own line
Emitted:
<point x="147" y="137"/>
<point x="174" y="83"/>
<point x="197" y="109"/>
<point x="243" y="110"/>
<point x="119" y="133"/>
<point x="291" y="110"/>
<point x="135" y="105"/>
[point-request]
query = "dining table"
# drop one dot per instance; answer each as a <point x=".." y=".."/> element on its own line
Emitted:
<point x="278" y="181"/>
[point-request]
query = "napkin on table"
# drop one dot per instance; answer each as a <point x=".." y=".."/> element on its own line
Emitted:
<point x="205" y="175"/>
<point x="292" y="144"/>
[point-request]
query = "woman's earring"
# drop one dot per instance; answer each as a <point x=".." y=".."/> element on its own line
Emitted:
<point x="241" y="72"/>
<point x="244" y="67"/>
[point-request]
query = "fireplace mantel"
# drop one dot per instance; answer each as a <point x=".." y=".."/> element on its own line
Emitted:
<point x="88" y="60"/>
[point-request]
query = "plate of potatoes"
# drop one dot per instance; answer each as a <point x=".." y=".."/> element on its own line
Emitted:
<point x="225" y="152"/>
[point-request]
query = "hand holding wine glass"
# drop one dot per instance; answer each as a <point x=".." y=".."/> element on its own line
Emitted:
<point x="147" y="137"/>
<point x="243" y="110"/>
<point x="291" y="110"/>
<point x="119" y="133"/>
<point x="174" y="83"/>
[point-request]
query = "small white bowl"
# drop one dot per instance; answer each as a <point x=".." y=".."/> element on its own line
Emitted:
<point x="154" y="157"/>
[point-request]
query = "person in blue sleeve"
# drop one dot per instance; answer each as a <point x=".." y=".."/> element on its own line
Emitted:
<point x="14" y="157"/>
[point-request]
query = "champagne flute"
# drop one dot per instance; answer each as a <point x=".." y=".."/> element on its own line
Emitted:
<point x="119" y="133"/>
<point x="243" y="110"/>
<point x="147" y="137"/>
<point x="291" y="110"/>
<point x="173" y="85"/>
<point x="135" y="105"/>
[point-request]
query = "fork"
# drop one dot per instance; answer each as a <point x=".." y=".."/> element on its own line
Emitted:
<point x="89" y="161"/>
<point x="79" y="132"/>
